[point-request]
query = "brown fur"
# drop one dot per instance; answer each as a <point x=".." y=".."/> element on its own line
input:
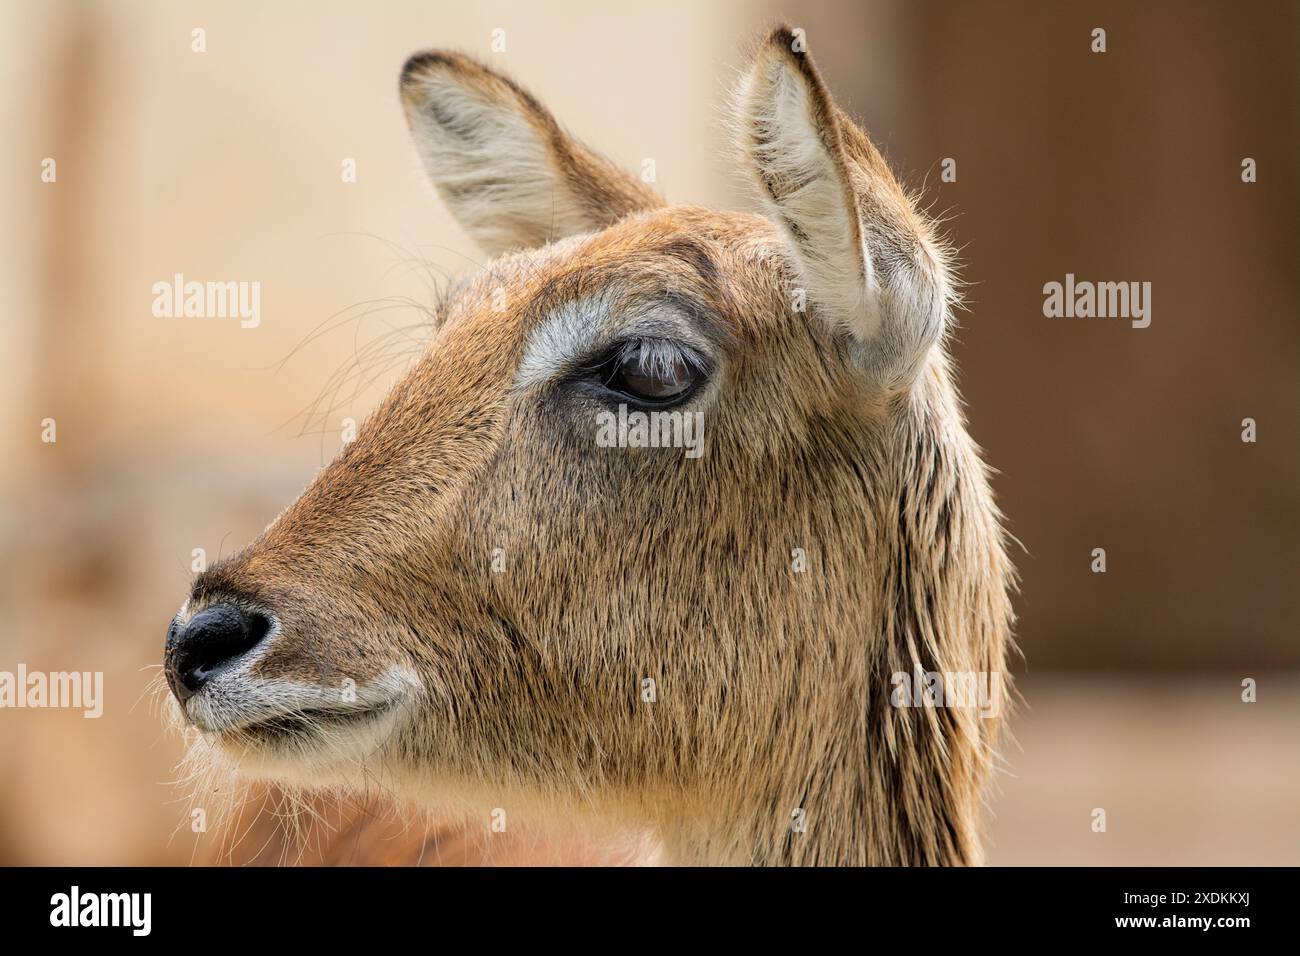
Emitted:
<point x="773" y="686"/>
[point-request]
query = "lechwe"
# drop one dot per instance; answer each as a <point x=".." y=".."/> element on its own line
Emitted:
<point x="510" y="594"/>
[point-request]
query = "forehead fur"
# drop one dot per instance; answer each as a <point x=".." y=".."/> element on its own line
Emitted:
<point x="696" y="258"/>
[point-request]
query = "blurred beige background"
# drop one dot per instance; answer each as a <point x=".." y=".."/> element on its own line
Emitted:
<point x="177" y="434"/>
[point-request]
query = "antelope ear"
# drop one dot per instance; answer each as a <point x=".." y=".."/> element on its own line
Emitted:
<point x="867" y="257"/>
<point x="509" y="174"/>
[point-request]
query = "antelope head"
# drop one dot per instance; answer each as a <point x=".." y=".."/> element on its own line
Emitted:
<point x="511" y="591"/>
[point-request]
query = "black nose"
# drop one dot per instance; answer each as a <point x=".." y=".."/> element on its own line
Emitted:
<point x="208" y="644"/>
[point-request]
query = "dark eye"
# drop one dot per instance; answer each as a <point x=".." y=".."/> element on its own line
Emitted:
<point x="652" y="372"/>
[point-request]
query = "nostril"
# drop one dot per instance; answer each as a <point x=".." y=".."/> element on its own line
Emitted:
<point x="222" y="639"/>
<point x="259" y="626"/>
<point x="212" y="640"/>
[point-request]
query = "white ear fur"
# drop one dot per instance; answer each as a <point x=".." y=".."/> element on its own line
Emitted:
<point x="868" y="259"/>
<point x="507" y="171"/>
<point x="805" y="193"/>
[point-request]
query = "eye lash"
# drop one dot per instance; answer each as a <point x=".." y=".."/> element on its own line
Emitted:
<point x="657" y="356"/>
<point x="653" y="355"/>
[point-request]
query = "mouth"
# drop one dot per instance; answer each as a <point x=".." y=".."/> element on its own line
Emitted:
<point x="282" y="720"/>
<point x="317" y="724"/>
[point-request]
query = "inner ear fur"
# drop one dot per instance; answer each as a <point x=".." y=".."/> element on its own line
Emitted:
<point x="505" y="168"/>
<point x="870" y="260"/>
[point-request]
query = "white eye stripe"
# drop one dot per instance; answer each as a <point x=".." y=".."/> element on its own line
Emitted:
<point x="560" y="340"/>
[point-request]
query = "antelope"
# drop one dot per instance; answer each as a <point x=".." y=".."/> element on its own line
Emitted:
<point x="479" y="606"/>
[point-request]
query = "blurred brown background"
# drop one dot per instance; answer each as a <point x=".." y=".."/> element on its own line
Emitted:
<point x="176" y="434"/>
